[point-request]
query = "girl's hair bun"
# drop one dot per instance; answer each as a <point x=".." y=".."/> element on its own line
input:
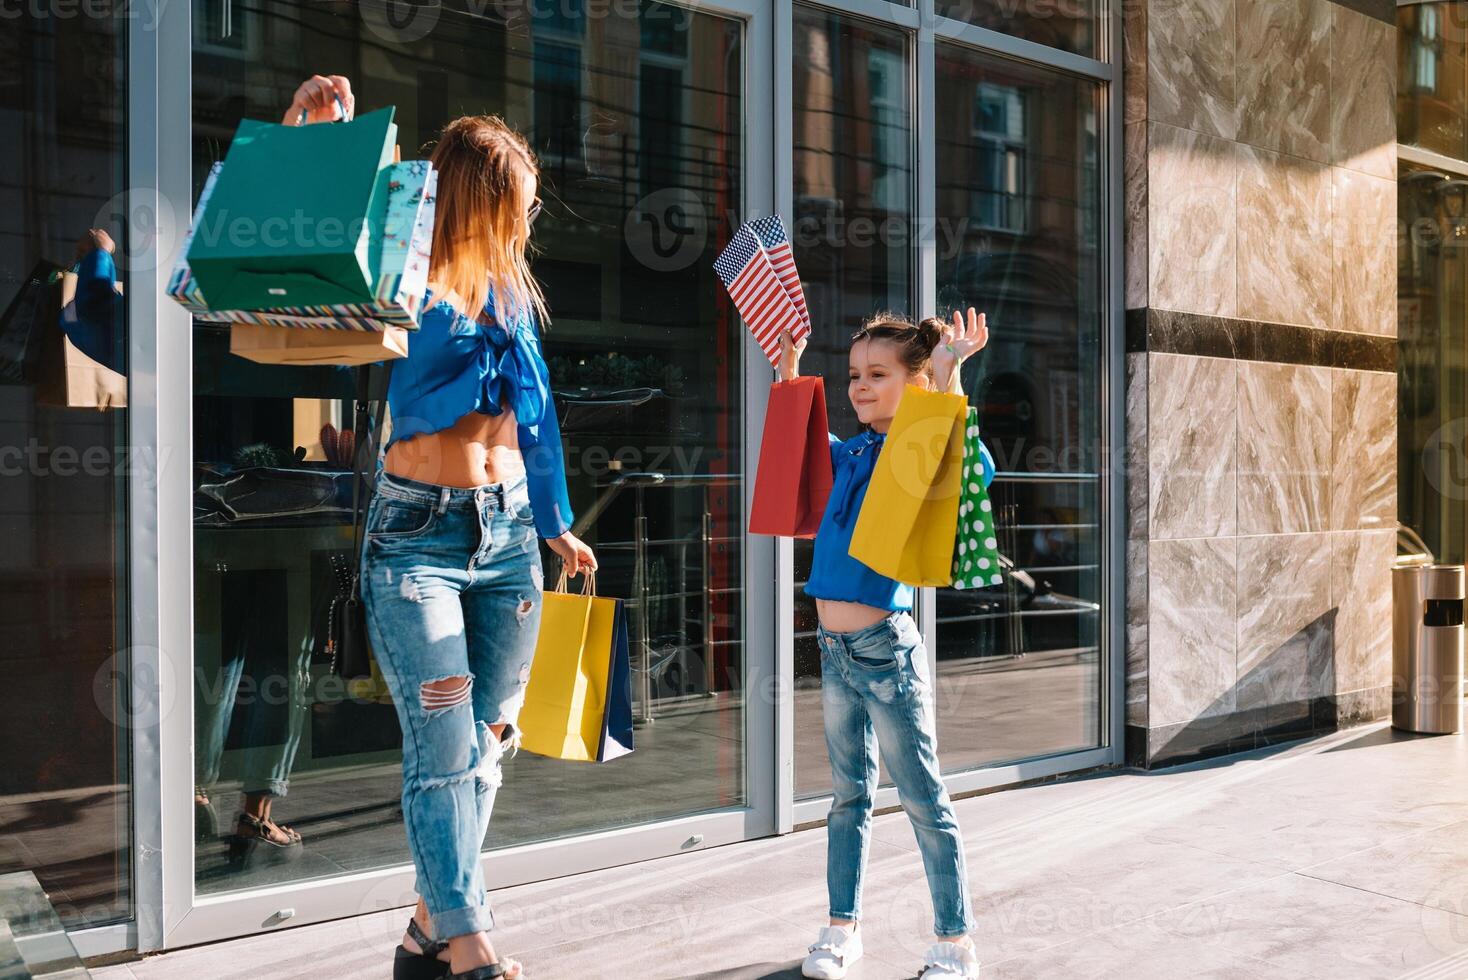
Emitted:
<point x="931" y="332"/>
<point x="914" y="341"/>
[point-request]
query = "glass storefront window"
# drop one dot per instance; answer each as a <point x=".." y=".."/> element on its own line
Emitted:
<point x="65" y="806"/>
<point x="1018" y="219"/>
<point x="638" y="123"/>
<point x="852" y="237"/>
<point x="1070" y="25"/>
<point x="1432" y="335"/>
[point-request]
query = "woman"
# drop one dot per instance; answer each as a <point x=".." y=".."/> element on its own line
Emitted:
<point x="876" y="692"/>
<point x="451" y="570"/>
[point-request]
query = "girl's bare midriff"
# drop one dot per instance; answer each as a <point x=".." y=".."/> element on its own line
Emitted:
<point x="848" y="617"/>
<point x="476" y="450"/>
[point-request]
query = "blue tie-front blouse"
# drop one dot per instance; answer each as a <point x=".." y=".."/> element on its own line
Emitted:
<point x="457" y="365"/>
<point x="834" y="574"/>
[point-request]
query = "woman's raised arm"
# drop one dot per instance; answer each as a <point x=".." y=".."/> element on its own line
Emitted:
<point x="317" y="96"/>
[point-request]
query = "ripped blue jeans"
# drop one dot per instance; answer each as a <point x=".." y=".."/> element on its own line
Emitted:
<point x="451" y="579"/>
<point x="877" y="696"/>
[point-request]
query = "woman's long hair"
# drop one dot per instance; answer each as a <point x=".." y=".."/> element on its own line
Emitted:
<point x="481" y="229"/>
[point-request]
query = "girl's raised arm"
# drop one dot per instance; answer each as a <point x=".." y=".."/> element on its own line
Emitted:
<point x="789" y="366"/>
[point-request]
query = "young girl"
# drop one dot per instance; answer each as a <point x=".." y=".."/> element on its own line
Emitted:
<point x="875" y="683"/>
<point x="451" y="571"/>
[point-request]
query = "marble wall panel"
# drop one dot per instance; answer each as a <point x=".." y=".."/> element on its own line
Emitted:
<point x="1192" y="221"/>
<point x="1284" y="245"/>
<point x="1361" y="590"/>
<point x="1192" y="456"/>
<point x="1363" y="67"/>
<point x="1191" y="630"/>
<point x="1363" y="428"/>
<point x="1134" y="211"/>
<point x="1136" y="446"/>
<point x="1134" y="63"/>
<point x="1190" y="66"/>
<point x="1284" y="643"/>
<point x="1363" y="252"/>
<point x="1284" y="448"/>
<point x="1136" y="631"/>
<point x="1283" y="76"/>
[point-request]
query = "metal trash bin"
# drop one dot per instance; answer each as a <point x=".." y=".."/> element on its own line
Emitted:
<point x="1427" y="648"/>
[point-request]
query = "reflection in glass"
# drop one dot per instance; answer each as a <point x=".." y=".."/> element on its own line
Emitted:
<point x="1432" y="332"/>
<point x="637" y="123"/>
<point x="852" y="241"/>
<point x="1017" y="219"/>
<point x="1432" y="77"/>
<point x="64" y="466"/>
<point x="1066" y="24"/>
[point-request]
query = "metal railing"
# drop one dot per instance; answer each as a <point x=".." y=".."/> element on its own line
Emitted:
<point x="644" y="697"/>
<point x="1010" y="613"/>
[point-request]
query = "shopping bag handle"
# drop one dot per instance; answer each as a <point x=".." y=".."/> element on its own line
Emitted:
<point x="340" y="107"/>
<point x="588" y="584"/>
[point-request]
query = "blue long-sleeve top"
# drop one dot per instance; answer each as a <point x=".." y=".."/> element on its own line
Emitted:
<point x="94" y="321"/>
<point x="834" y="574"/>
<point x="458" y="364"/>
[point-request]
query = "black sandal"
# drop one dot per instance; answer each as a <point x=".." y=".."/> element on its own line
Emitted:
<point x="206" y="820"/>
<point x="420" y="966"/>
<point x="492" y="972"/>
<point x="256" y="849"/>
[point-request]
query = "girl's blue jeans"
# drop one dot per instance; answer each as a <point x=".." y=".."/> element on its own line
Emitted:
<point x="452" y="583"/>
<point x="876" y="693"/>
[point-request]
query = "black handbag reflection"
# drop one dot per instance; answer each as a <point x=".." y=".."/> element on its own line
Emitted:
<point x="346" y="624"/>
<point x="32" y="313"/>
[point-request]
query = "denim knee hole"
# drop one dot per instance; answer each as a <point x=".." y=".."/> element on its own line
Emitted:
<point x="448" y="692"/>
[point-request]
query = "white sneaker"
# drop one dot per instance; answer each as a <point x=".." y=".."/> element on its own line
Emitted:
<point x="950" y="961"/>
<point x="831" y="954"/>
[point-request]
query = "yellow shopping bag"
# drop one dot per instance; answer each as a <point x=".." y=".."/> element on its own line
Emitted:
<point x="909" y="517"/>
<point x="578" y="703"/>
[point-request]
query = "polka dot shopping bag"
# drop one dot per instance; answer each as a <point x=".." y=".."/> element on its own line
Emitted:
<point x="976" y="553"/>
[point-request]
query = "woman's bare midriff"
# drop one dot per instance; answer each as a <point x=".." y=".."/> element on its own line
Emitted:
<point x="474" y="451"/>
<point x="848" y="617"/>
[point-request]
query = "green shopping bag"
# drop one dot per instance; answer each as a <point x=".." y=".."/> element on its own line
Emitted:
<point x="976" y="553"/>
<point x="289" y="220"/>
<point x="400" y="259"/>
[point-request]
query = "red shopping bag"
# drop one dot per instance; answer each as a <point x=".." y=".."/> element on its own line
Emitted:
<point x="794" y="477"/>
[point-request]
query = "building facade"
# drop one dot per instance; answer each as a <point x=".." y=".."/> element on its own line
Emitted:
<point x="1176" y="213"/>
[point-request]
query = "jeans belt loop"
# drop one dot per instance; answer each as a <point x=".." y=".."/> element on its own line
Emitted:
<point x="444" y="494"/>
